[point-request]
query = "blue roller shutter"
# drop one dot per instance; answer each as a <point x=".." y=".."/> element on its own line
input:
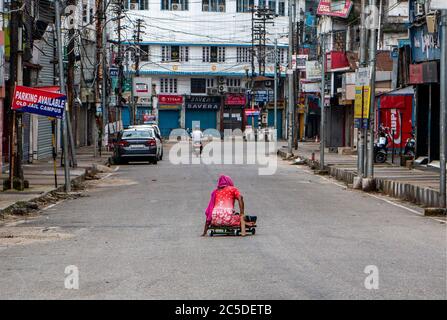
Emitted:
<point x="207" y="118"/>
<point x="271" y="121"/>
<point x="168" y="120"/>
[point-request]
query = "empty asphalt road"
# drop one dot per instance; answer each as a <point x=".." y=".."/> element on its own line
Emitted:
<point x="136" y="235"/>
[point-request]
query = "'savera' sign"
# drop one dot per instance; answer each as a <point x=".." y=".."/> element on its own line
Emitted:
<point x="41" y="102"/>
<point x="202" y="102"/>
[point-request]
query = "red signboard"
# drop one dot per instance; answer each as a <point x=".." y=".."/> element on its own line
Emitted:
<point x="426" y="72"/>
<point x="395" y="114"/>
<point x="340" y="11"/>
<point x="235" y="100"/>
<point x="169" y="99"/>
<point x="336" y="61"/>
<point x="416" y="74"/>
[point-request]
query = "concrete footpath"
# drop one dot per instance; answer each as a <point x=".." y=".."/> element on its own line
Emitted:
<point x="419" y="185"/>
<point x="40" y="175"/>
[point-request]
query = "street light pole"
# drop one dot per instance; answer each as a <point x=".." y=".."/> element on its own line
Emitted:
<point x="443" y="111"/>
<point x="63" y="90"/>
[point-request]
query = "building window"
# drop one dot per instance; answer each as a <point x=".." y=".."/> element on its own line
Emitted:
<point x="282" y="8"/>
<point x="233" y="82"/>
<point x="92" y="16"/>
<point x="213" y="54"/>
<point x="198" y="85"/>
<point x="184" y="54"/>
<point x="175" y="5"/>
<point x="174" y="54"/>
<point x="84" y="13"/>
<point x="244" y="5"/>
<point x="168" y="85"/>
<point x="213" y="5"/>
<point x="283" y="56"/>
<point x="144" y="53"/>
<point x="136" y="4"/>
<point x="210" y="83"/>
<point x="243" y="54"/>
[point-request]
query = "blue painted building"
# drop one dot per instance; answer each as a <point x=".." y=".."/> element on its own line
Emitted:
<point x="424" y="33"/>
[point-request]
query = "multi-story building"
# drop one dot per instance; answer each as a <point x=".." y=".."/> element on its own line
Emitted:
<point x="199" y="57"/>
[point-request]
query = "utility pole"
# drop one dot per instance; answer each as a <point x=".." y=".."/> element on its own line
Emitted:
<point x="275" y="90"/>
<point x="105" y="109"/>
<point x="63" y="90"/>
<point x="443" y="111"/>
<point x="290" y="99"/>
<point x="372" y="86"/>
<point x="120" y="64"/>
<point x="137" y="70"/>
<point x="98" y="137"/>
<point x="322" y="99"/>
<point x="16" y="78"/>
<point x="70" y="90"/>
<point x="361" y="130"/>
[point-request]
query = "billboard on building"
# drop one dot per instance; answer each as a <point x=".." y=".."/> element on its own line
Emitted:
<point x="334" y="8"/>
<point x="142" y="87"/>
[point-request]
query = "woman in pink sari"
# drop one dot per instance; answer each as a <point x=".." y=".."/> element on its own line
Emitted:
<point x="220" y="211"/>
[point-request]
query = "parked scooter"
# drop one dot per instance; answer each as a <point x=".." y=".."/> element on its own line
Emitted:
<point x="410" y="147"/>
<point x="380" y="148"/>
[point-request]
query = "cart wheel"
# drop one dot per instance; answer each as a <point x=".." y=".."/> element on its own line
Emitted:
<point x="211" y="233"/>
<point x="237" y="232"/>
<point x="253" y="231"/>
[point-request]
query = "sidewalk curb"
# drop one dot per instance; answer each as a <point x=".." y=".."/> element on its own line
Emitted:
<point x="61" y="188"/>
<point x="422" y="196"/>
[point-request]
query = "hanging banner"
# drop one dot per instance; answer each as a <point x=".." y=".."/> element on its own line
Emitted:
<point x="41" y="102"/>
<point x="361" y="106"/>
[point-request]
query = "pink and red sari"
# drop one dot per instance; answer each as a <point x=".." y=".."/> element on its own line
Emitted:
<point x="220" y="211"/>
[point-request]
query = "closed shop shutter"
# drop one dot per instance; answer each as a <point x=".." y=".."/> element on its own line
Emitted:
<point x="207" y="118"/>
<point x="168" y="120"/>
<point x="44" y="142"/>
<point x="271" y="121"/>
<point x="46" y="78"/>
<point x="82" y="123"/>
<point x="26" y="119"/>
<point x="125" y="116"/>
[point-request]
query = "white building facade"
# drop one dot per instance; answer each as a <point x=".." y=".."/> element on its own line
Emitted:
<point x="198" y="57"/>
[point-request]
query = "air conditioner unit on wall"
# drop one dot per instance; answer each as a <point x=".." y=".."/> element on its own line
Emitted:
<point x="221" y="8"/>
<point x="212" y="91"/>
<point x="206" y="7"/>
<point x="222" y="88"/>
<point x="176" y="7"/>
<point x="133" y="6"/>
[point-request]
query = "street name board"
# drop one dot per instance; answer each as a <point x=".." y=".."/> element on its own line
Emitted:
<point x="37" y="101"/>
<point x="362" y="76"/>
